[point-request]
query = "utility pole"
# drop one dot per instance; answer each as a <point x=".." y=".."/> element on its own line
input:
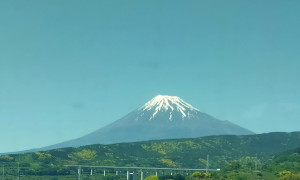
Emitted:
<point x="18" y="171"/>
<point x="207" y="163"/>
<point x="256" y="162"/>
<point x="19" y="167"/>
<point x="79" y="173"/>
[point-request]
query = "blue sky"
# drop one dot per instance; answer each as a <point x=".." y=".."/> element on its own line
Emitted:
<point x="70" y="67"/>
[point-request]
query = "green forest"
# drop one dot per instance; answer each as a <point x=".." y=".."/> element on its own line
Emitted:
<point x="262" y="156"/>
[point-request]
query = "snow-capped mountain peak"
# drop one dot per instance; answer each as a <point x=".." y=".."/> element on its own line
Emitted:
<point x="165" y="103"/>
<point x="163" y="117"/>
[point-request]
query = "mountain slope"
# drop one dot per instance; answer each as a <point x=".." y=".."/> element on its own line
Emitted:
<point x="289" y="160"/>
<point x="178" y="153"/>
<point x="163" y="117"/>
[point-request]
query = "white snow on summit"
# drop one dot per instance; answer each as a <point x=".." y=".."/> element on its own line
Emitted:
<point x="164" y="103"/>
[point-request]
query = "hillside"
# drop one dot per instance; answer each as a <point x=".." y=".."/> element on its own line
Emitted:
<point x="177" y="153"/>
<point x="289" y="160"/>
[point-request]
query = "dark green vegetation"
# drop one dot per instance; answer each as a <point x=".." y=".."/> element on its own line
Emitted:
<point x="263" y="156"/>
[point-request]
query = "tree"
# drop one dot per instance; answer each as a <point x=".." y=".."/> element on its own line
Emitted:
<point x="179" y="177"/>
<point x="290" y="176"/>
<point x="152" y="178"/>
<point x="285" y="172"/>
<point x="85" y="155"/>
<point x="197" y="175"/>
<point x="207" y="175"/>
<point x="165" y="177"/>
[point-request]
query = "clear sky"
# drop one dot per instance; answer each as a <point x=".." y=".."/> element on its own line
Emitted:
<point x="70" y="67"/>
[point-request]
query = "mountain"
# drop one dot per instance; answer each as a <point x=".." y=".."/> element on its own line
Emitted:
<point x="163" y="117"/>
